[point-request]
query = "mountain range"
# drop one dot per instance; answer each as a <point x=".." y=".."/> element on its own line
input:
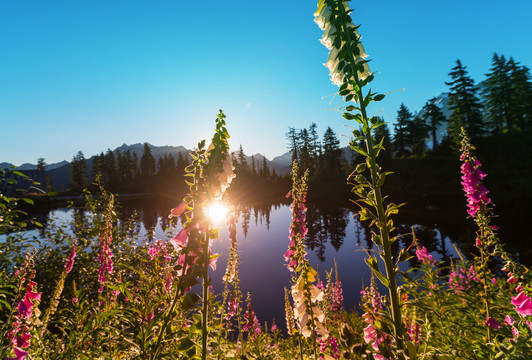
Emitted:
<point x="61" y="173"/>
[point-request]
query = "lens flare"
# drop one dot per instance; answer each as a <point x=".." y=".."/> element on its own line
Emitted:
<point x="217" y="211"/>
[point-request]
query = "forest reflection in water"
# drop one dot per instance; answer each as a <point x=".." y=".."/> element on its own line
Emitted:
<point x="333" y="233"/>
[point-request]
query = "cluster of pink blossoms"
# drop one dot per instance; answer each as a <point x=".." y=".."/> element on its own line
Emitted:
<point x="106" y="260"/>
<point x="70" y="261"/>
<point x="460" y="278"/>
<point x="20" y="335"/>
<point x="298" y="229"/>
<point x="423" y="255"/>
<point x="372" y="335"/>
<point x="476" y="193"/>
<point x="331" y="343"/>
<point x="252" y="325"/>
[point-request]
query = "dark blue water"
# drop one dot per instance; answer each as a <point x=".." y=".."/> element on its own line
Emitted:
<point x="263" y="239"/>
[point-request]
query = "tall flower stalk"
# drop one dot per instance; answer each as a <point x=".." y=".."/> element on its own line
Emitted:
<point x="349" y="69"/>
<point x="306" y="295"/>
<point x="209" y="175"/>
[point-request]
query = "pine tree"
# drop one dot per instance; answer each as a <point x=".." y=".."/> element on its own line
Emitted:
<point x="147" y="162"/>
<point x="400" y="139"/>
<point x="464" y="104"/>
<point x="109" y="169"/>
<point x="497" y="96"/>
<point x="136" y="167"/>
<point x="332" y="154"/>
<point x="41" y="164"/>
<point x="433" y="117"/>
<point x="265" y="169"/>
<point x="78" y="171"/>
<point x="521" y="94"/>
<point x="417" y="132"/>
<point x="293" y="143"/>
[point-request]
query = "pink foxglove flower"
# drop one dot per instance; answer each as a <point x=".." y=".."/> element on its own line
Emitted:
<point x="178" y="210"/>
<point x="476" y="193"/>
<point x="70" y="261"/>
<point x="492" y="323"/>
<point x="523" y="304"/>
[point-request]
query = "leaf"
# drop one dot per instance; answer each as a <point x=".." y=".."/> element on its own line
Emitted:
<point x="28" y="201"/>
<point x="378" y="97"/>
<point x="189" y="301"/>
<point x="185" y="344"/>
<point x="381" y="277"/>
<point x="19" y="174"/>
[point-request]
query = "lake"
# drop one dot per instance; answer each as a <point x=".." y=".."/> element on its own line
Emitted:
<point x="263" y="239"/>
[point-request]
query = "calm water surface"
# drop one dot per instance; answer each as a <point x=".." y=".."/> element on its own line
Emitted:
<point x="263" y="239"/>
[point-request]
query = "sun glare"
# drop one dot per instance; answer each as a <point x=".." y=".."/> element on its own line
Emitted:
<point x="217" y="211"/>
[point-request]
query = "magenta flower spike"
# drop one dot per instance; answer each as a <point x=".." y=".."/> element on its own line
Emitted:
<point x="492" y="323"/>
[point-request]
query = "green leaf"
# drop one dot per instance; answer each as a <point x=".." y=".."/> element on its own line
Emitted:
<point x="381" y="277"/>
<point x="19" y="174"/>
<point x="29" y="201"/>
<point x="189" y="301"/>
<point x="378" y="97"/>
<point x="185" y="344"/>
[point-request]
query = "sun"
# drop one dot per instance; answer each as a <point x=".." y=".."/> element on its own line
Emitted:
<point x="217" y="211"/>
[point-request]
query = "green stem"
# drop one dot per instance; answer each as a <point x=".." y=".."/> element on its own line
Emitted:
<point x="483" y="263"/>
<point x="204" y="332"/>
<point x="174" y="302"/>
<point x="385" y="236"/>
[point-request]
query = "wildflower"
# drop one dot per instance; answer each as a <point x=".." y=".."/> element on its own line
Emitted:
<point x="105" y="256"/>
<point x="331" y="20"/>
<point x="20" y="335"/>
<point x="179" y="241"/>
<point x="508" y="320"/>
<point x="523" y="304"/>
<point x="252" y="325"/>
<point x="423" y="255"/>
<point x="223" y="178"/>
<point x="306" y="295"/>
<point x="70" y="261"/>
<point x="178" y="210"/>
<point x="492" y="323"/>
<point x="476" y="193"/>
<point x="289" y="314"/>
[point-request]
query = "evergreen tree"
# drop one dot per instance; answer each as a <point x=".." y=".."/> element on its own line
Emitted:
<point x="265" y="169"/>
<point x="521" y="94"/>
<point x="242" y="169"/>
<point x="464" y="104"/>
<point x="433" y="117"/>
<point x="78" y="171"/>
<point x="109" y="169"/>
<point x="497" y="96"/>
<point x="147" y="162"/>
<point x="293" y="143"/>
<point x="332" y="154"/>
<point x="41" y="164"/>
<point x="136" y="167"/>
<point x="417" y="132"/>
<point x="253" y="167"/>
<point x="97" y="165"/>
<point x="305" y="152"/>
<point x="404" y="117"/>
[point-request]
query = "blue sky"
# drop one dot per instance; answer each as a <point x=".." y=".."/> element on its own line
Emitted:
<point x="92" y="75"/>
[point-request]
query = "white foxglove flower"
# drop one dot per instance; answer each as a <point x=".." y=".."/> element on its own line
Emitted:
<point x="301" y="311"/>
<point x="224" y="178"/>
<point x="322" y="18"/>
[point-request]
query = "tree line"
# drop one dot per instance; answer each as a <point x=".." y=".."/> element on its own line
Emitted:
<point x="501" y="103"/>
<point x="126" y="172"/>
